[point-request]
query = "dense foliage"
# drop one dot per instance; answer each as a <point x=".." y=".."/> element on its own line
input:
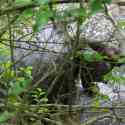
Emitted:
<point x="23" y="101"/>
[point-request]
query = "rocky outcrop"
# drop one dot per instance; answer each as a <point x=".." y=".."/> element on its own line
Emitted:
<point x="98" y="29"/>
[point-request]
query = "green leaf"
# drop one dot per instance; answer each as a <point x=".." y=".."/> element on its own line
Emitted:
<point x="111" y="76"/>
<point x="42" y="2"/>
<point x="91" y="56"/>
<point x="6" y="116"/>
<point x="96" y="5"/>
<point x="22" y="2"/>
<point x="79" y="12"/>
<point x="43" y="110"/>
<point x="121" y="60"/>
<point x="27" y="13"/>
<point x="4" y="51"/>
<point x="108" y="1"/>
<point x="98" y="56"/>
<point x="42" y="18"/>
<point x="97" y="103"/>
<point x="104" y="97"/>
<point x="88" y="56"/>
<point x="45" y="100"/>
<point x="121" y="24"/>
<point x="19" y="87"/>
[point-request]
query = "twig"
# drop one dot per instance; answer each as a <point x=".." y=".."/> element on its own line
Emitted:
<point x="53" y="122"/>
<point x="95" y="119"/>
<point x="3" y="30"/>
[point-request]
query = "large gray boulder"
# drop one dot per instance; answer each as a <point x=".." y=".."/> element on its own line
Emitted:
<point x="98" y="29"/>
<point x="51" y="42"/>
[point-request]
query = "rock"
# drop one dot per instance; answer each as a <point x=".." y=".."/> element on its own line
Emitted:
<point x="98" y="29"/>
<point x="48" y="46"/>
<point x="51" y="42"/>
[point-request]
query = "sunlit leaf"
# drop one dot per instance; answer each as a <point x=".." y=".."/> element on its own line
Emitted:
<point x="121" y="24"/>
<point x="42" y="18"/>
<point x="27" y="13"/>
<point x="91" y="56"/>
<point x="98" y="56"/>
<point x="19" y="87"/>
<point x="97" y="103"/>
<point x="42" y="2"/>
<point x="88" y="56"/>
<point x="121" y="60"/>
<point x="6" y="116"/>
<point x="20" y="2"/>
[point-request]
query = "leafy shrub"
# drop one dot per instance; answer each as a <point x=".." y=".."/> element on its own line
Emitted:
<point x="16" y="87"/>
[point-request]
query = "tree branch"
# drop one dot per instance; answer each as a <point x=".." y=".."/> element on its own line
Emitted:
<point x="31" y="5"/>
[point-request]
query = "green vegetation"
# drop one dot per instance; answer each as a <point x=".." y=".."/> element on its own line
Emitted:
<point x="22" y="102"/>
